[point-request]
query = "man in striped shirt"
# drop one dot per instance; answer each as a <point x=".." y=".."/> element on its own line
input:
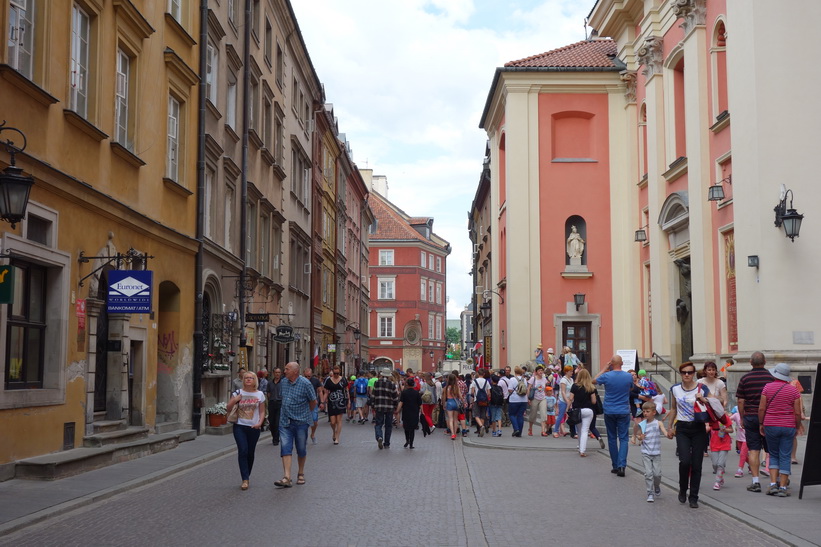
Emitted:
<point x="748" y="395"/>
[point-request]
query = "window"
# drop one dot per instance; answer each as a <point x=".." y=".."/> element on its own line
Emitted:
<point x="26" y="327"/>
<point x="430" y="262"/>
<point x="211" y="67"/>
<point x="438" y="293"/>
<point x="251" y="250"/>
<point x="386" y="257"/>
<point x="386" y="289"/>
<point x="267" y="121"/>
<point x="300" y="174"/>
<point x="439" y="264"/>
<point x="430" y="291"/>
<point x="228" y="217"/>
<point x="269" y="38"/>
<point x="386" y="329"/>
<point x="78" y="78"/>
<point x="255" y="18"/>
<point x="431" y="330"/>
<point x="122" y="99"/>
<point x="280" y="68"/>
<point x="423" y="287"/>
<point x="424" y="259"/>
<point x="210" y="202"/>
<point x="326" y="281"/>
<point x="231" y="102"/>
<point x="21" y="36"/>
<point x="438" y="327"/>
<point x="172" y="149"/>
<point x="253" y="118"/>
<point x="233" y="15"/>
<point x="279" y="136"/>
<point x="276" y="250"/>
<point x="264" y="244"/>
<point x="175" y="9"/>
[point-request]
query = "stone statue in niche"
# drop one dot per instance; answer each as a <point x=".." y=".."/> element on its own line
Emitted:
<point x="575" y="246"/>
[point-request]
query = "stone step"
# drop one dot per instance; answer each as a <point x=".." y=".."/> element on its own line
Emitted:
<point x="79" y="460"/>
<point x="167" y="427"/>
<point x="225" y="429"/>
<point x="104" y="426"/>
<point x="118" y="436"/>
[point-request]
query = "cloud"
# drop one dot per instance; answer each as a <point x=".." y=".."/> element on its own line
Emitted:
<point x="408" y="80"/>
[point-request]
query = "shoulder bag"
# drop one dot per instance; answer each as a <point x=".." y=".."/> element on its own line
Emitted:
<point x="598" y="409"/>
<point x="531" y="393"/>
<point x="233" y="416"/>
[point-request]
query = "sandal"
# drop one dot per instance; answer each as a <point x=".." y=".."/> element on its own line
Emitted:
<point x="555" y="435"/>
<point x="545" y="434"/>
<point x="300" y="478"/>
<point x="284" y="482"/>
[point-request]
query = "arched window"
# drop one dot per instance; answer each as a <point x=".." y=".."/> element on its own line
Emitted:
<point x="719" y="60"/>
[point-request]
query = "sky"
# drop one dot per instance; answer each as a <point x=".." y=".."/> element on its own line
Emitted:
<point x="408" y="80"/>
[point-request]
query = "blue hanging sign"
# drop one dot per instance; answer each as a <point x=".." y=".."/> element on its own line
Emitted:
<point x="129" y="291"/>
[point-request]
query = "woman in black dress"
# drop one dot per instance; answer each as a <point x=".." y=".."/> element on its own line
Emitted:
<point x="335" y="399"/>
<point x="409" y="404"/>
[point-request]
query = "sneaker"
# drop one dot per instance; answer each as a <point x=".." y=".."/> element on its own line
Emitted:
<point x="650" y="498"/>
<point x="782" y="493"/>
<point x="754" y="487"/>
<point x="313" y="440"/>
<point x="432" y="428"/>
<point x="717" y="486"/>
<point x="658" y="492"/>
<point x="772" y="490"/>
<point x="481" y="431"/>
<point x="739" y="473"/>
<point x="380" y="442"/>
<point x="601" y="443"/>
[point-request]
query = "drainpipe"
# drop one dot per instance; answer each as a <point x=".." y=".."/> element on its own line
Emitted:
<point x="243" y="209"/>
<point x="196" y="414"/>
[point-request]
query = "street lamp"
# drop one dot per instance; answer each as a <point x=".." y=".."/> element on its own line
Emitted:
<point x="14" y="185"/>
<point x="432" y="367"/>
<point x="789" y="217"/>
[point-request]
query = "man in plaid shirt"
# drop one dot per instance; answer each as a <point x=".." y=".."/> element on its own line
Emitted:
<point x="384" y="398"/>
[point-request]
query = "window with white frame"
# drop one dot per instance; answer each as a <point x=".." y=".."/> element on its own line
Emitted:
<point x="175" y="9"/>
<point x="228" y="215"/>
<point x="423" y="286"/>
<point x="122" y="97"/>
<point x="269" y="39"/>
<point x="438" y="293"/>
<point x="173" y="143"/>
<point x="430" y="262"/>
<point x="21" y="36"/>
<point x="424" y="259"/>
<point x="386" y="326"/>
<point x="386" y="257"/>
<point x="231" y="102"/>
<point x="431" y="327"/>
<point x="430" y="291"/>
<point x="438" y="327"/>
<point x="253" y="110"/>
<point x="251" y="226"/>
<point x="386" y="288"/>
<point x="232" y="12"/>
<point x="211" y="68"/>
<point x="264" y="244"/>
<point x="439" y="264"/>
<point x="78" y="80"/>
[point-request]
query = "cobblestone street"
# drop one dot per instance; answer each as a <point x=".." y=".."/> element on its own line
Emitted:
<point x="441" y="493"/>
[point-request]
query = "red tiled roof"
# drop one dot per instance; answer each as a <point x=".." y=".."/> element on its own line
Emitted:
<point x="584" y="54"/>
<point x="393" y="224"/>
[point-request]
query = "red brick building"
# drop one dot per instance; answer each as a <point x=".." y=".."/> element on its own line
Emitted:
<point x="408" y="265"/>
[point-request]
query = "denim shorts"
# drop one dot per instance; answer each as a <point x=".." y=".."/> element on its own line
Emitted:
<point x="495" y="413"/>
<point x="452" y="405"/>
<point x="315" y="414"/>
<point x="293" y="434"/>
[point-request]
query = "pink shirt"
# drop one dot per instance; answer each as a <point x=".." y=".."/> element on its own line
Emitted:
<point x="780" y="406"/>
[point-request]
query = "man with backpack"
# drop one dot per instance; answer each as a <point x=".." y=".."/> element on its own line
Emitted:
<point x="360" y="387"/>
<point x="480" y="390"/>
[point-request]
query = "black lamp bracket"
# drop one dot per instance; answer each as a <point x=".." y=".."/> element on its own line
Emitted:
<point x="781" y="208"/>
<point x="10" y="144"/>
<point x="128" y="256"/>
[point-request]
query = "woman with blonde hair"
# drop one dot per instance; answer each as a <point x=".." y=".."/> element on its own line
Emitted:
<point x="250" y="415"/>
<point x="583" y="395"/>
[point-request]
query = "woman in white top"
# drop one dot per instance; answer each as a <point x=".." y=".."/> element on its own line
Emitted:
<point x="517" y="402"/>
<point x="480" y="383"/>
<point x="715" y="384"/>
<point x="250" y="415"/>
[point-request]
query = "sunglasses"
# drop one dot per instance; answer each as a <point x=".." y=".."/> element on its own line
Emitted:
<point x="688" y="372"/>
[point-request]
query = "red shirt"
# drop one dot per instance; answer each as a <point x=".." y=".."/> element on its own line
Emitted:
<point x="780" y="407"/>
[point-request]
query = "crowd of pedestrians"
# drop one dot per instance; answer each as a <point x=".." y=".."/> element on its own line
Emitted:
<point x="559" y="397"/>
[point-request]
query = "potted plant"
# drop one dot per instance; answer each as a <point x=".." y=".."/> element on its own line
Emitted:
<point x="217" y="414"/>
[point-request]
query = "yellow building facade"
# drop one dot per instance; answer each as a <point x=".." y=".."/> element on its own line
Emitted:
<point x="105" y="93"/>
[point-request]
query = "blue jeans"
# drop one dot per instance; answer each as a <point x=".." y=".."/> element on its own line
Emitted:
<point x="618" y="428"/>
<point x="384" y="419"/>
<point x="779" y="441"/>
<point x="293" y="433"/>
<point x="246" y="438"/>
<point x="517" y="415"/>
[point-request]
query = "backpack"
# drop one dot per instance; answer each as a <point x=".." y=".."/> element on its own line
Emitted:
<point x="497" y="398"/>
<point x="481" y="394"/>
<point x="521" y="388"/>
<point x="361" y="385"/>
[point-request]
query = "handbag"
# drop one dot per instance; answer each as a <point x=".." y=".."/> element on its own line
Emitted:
<point x="574" y="416"/>
<point x="597" y="406"/>
<point x="233" y="416"/>
<point x="531" y="393"/>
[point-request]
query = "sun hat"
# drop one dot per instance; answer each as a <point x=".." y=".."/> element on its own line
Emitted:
<point x="539" y="346"/>
<point x="782" y="372"/>
<point x="437" y="375"/>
